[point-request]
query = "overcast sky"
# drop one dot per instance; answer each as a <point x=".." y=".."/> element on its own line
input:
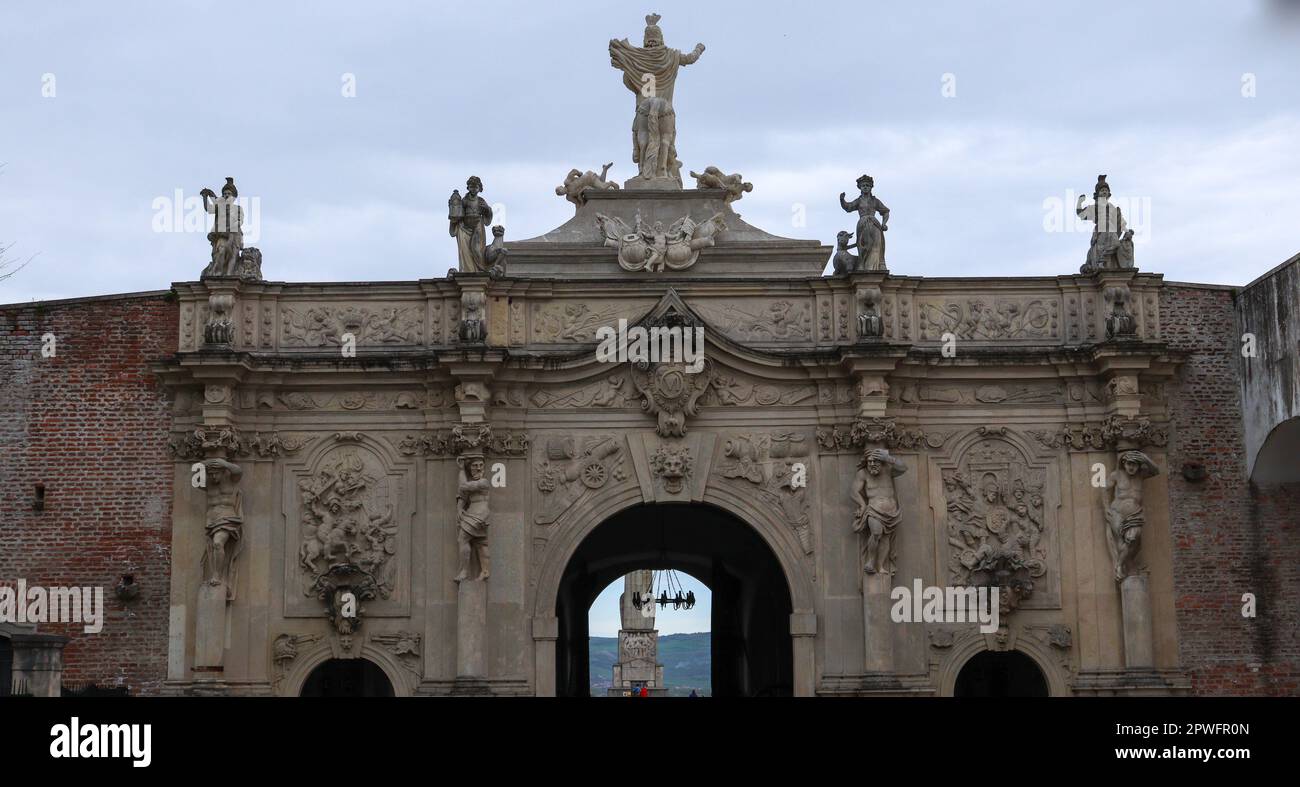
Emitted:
<point x="1191" y="108"/>
<point x="604" y="619"/>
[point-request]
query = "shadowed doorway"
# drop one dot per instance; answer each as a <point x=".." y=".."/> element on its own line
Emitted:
<point x="1005" y="674"/>
<point x="347" y="678"/>
<point x="750" y="617"/>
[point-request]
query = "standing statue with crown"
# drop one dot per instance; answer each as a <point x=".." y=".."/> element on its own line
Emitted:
<point x="650" y="72"/>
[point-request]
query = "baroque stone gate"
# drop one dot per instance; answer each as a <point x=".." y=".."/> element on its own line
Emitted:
<point x="403" y="472"/>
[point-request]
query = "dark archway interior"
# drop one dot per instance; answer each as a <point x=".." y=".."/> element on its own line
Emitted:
<point x="1005" y="674"/>
<point x="6" y="666"/>
<point x="751" y="646"/>
<point x="347" y="678"/>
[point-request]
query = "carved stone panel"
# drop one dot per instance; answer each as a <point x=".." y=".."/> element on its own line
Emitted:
<point x="757" y="321"/>
<point x="569" y="469"/>
<point x="346" y="505"/>
<point x="983" y="319"/>
<point x="323" y="325"/>
<point x="775" y="466"/>
<point x="577" y="321"/>
<point x="998" y="519"/>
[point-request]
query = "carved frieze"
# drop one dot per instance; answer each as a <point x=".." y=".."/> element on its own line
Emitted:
<point x="444" y="443"/>
<point x="608" y="392"/>
<point x="1134" y="432"/>
<point x="198" y="443"/>
<point x="909" y="392"/>
<point x="771" y="321"/>
<point x="727" y="389"/>
<point x="876" y="431"/>
<point x="323" y="326"/>
<point x="576" y="321"/>
<point x="360" y="400"/>
<point x="989" y="319"/>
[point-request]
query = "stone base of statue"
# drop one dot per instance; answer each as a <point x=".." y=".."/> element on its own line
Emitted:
<point x="210" y="630"/>
<point x="1139" y="650"/>
<point x="471" y="628"/>
<point x="639" y="183"/>
<point x="577" y="249"/>
<point x="878" y="627"/>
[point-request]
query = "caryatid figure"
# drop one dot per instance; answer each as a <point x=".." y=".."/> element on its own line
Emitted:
<point x="227" y="236"/>
<point x="878" y="513"/>
<point x="472" y="515"/>
<point x="225" y="522"/>
<point x="1108" y="233"/>
<point x="650" y="72"/>
<point x="1124" y="516"/>
<point x="871" y="231"/>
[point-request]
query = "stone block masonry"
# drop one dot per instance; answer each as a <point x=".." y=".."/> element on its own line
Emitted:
<point x="90" y="424"/>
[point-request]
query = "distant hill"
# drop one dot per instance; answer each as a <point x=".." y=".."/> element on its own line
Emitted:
<point x="687" y="660"/>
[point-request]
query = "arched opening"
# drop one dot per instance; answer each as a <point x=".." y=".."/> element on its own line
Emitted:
<point x="751" y="649"/>
<point x="1001" y="674"/>
<point x="347" y="678"/>
<point x="664" y="648"/>
<point x="1275" y="463"/>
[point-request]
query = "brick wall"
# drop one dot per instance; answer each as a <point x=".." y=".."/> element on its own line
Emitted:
<point x="1230" y="537"/>
<point x="91" y="424"/>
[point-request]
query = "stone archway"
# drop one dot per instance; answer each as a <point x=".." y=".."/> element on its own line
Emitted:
<point x="296" y="678"/>
<point x="966" y="648"/>
<point x="753" y="650"/>
<point x="797" y="575"/>
<point x="347" y="678"/>
<point x="1000" y="673"/>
